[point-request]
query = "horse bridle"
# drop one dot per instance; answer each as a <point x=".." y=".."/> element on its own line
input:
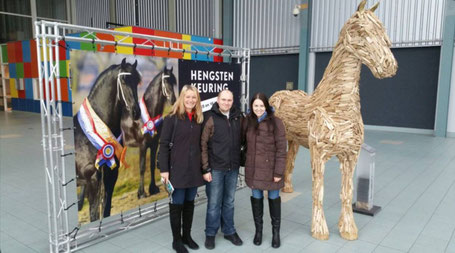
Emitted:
<point x="119" y="87"/>
<point x="163" y="86"/>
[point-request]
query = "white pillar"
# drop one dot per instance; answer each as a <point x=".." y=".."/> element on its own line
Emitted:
<point x="311" y="71"/>
<point x="451" y="116"/>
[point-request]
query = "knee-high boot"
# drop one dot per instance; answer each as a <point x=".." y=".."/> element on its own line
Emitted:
<point x="275" y="215"/>
<point x="188" y="211"/>
<point x="175" y="215"/>
<point x="257" y="205"/>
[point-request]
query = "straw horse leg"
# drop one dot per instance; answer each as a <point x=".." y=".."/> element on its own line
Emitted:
<point x="322" y="141"/>
<point x="290" y="163"/>
<point x="319" y="229"/>
<point x="346" y="224"/>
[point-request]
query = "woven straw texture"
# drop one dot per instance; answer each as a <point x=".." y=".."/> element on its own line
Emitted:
<point x="329" y="122"/>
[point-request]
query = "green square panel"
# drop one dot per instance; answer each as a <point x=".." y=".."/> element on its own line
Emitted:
<point x="20" y="70"/>
<point x="85" y="45"/>
<point x="4" y="53"/>
<point x="63" y="70"/>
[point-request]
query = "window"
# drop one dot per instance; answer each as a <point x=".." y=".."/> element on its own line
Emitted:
<point x="53" y="9"/>
<point x="16" y="6"/>
<point x="13" y="28"/>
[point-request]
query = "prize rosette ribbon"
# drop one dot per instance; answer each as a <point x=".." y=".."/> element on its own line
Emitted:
<point x="101" y="137"/>
<point x="150" y="124"/>
<point x="106" y="156"/>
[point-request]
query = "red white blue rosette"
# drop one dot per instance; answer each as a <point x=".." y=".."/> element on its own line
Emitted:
<point x="151" y="125"/>
<point x="106" y="156"/>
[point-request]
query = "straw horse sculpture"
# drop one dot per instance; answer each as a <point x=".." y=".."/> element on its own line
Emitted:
<point x="329" y="122"/>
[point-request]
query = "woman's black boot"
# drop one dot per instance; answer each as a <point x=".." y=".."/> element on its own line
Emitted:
<point x="257" y="205"/>
<point x="275" y="215"/>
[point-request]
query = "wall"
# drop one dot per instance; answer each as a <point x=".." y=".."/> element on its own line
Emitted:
<point x="406" y="100"/>
<point x="408" y="23"/>
<point x="22" y="76"/>
<point x="270" y="73"/>
<point x="263" y="25"/>
<point x="199" y="17"/>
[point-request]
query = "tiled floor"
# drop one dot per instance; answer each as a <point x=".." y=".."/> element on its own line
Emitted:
<point x="414" y="185"/>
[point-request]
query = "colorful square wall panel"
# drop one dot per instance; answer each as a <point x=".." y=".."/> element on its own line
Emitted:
<point x="26" y="52"/>
<point x="4" y="53"/>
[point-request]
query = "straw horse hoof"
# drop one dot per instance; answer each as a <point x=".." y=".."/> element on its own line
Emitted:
<point x="320" y="236"/>
<point x="349" y="236"/>
<point x="347" y="227"/>
<point x="288" y="184"/>
<point x="320" y="231"/>
<point x="287" y="188"/>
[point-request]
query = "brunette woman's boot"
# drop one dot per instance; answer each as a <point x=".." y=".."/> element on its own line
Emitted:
<point x="275" y="215"/>
<point x="257" y="205"/>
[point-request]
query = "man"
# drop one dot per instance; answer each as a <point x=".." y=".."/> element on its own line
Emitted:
<point x="220" y="142"/>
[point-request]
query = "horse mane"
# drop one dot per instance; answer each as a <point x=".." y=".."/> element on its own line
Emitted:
<point x="101" y="77"/>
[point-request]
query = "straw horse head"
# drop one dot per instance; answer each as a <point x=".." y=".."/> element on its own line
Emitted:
<point x="329" y="122"/>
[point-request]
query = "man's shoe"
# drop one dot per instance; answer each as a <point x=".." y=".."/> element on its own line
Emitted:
<point x="234" y="238"/>
<point x="210" y="242"/>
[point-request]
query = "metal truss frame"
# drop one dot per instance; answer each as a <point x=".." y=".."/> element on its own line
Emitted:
<point x="62" y="237"/>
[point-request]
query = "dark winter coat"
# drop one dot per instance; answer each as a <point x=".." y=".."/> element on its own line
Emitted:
<point x="220" y="141"/>
<point x="266" y="154"/>
<point x="185" y="155"/>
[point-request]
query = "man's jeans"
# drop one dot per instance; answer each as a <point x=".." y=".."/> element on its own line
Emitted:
<point x="220" y="206"/>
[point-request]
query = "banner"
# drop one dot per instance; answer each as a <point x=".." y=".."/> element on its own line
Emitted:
<point x="211" y="78"/>
<point x="110" y="177"/>
<point x="119" y="104"/>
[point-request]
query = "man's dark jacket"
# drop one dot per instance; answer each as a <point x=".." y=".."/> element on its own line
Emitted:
<point x="220" y="140"/>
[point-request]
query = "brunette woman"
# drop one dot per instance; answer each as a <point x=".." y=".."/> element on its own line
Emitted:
<point x="180" y="163"/>
<point x="265" y="138"/>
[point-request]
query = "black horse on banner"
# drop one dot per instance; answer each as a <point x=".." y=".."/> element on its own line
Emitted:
<point x="159" y="93"/>
<point x="114" y="99"/>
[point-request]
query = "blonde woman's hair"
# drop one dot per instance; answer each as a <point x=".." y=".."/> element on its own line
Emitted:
<point x="179" y="107"/>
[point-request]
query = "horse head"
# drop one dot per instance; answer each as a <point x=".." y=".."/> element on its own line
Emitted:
<point x="168" y="81"/>
<point x="128" y="80"/>
<point x="365" y="37"/>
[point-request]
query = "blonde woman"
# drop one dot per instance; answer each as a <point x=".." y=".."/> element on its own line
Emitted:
<point x="180" y="163"/>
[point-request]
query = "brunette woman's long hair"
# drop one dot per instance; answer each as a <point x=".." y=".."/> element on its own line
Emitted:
<point x="252" y="118"/>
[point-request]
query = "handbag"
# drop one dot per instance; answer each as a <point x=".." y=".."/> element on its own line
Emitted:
<point x="171" y="144"/>
<point x="243" y="150"/>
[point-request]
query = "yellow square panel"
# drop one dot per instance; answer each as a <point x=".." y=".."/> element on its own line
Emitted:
<point x="120" y="49"/>
<point x="12" y="88"/>
<point x="186" y="56"/>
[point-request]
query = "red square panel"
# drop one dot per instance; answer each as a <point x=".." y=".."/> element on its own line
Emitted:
<point x="34" y="69"/>
<point x="218" y="50"/>
<point x="140" y="41"/>
<point x="61" y="50"/>
<point x="18" y="49"/>
<point x="27" y="70"/>
<point x="105" y="48"/>
<point x="33" y="55"/>
<point x="21" y="93"/>
<point x="11" y="48"/>
<point x="167" y="44"/>
<point x="64" y="89"/>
